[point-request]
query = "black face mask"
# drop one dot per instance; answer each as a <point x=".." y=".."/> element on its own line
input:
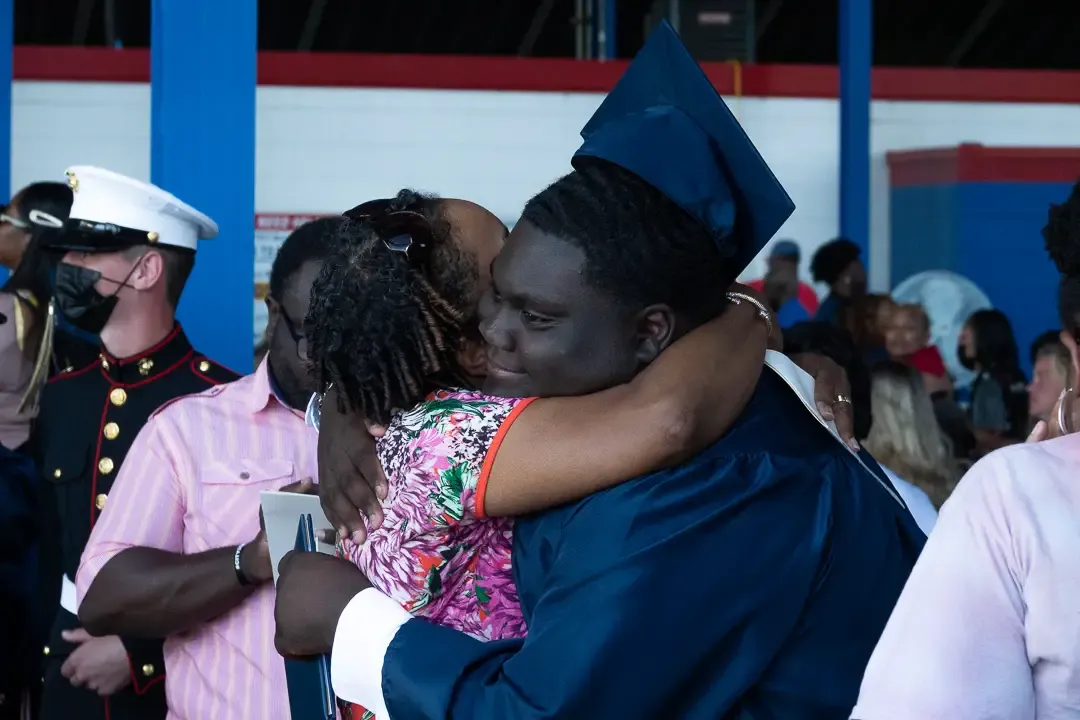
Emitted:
<point x="962" y="356"/>
<point x="79" y="302"/>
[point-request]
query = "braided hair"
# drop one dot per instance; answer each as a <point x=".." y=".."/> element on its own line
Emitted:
<point x="384" y="326"/>
<point x="640" y="247"/>
<point x="1062" y="235"/>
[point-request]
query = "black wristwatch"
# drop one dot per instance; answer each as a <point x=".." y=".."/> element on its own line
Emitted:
<point x="240" y="576"/>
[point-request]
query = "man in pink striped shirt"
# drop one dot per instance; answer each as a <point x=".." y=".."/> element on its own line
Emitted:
<point x="179" y="552"/>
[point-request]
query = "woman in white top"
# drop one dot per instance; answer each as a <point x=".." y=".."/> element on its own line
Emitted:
<point x="988" y="625"/>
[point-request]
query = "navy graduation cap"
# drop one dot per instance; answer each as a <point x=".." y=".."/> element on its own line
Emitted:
<point x="665" y="122"/>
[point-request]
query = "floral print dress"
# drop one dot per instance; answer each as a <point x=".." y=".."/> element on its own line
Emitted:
<point x="436" y="553"/>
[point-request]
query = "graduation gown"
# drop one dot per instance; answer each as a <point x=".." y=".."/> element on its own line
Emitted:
<point x="752" y="582"/>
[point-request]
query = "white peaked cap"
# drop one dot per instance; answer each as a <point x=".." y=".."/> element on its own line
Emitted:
<point x="103" y="196"/>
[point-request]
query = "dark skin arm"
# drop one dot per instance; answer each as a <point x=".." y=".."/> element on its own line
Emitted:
<point x="625" y="419"/>
<point x="677" y="406"/>
<point x="146" y="592"/>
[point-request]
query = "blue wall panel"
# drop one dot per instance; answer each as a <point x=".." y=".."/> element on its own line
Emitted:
<point x="922" y="222"/>
<point x="202" y="149"/>
<point x="1001" y="249"/>
<point x="990" y="232"/>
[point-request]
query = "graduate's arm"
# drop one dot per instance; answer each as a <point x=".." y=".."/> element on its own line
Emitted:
<point x="613" y="633"/>
<point x="562" y="449"/>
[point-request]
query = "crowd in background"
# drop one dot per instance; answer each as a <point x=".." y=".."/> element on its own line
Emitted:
<point x="909" y="415"/>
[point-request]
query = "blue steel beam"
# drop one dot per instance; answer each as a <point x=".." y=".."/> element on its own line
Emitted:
<point x="203" y="57"/>
<point x="856" y="50"/>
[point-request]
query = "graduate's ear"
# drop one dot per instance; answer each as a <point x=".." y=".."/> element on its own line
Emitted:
<point x="655" y="331"/>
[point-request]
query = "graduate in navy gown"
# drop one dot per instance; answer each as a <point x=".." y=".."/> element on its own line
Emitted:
<point x="751" y="582"/>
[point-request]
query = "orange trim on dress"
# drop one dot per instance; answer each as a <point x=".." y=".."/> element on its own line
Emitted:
<point x="493" y="449"/>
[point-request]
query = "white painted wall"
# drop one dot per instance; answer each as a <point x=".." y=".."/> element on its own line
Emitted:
<point x="324" y="150"/>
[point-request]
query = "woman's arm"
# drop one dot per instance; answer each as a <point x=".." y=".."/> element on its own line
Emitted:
<point x="562" y="449"/>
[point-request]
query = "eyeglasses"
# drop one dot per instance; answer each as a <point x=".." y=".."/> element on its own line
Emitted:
<point x="296" y="335"/>
<point x="406" y="231"/>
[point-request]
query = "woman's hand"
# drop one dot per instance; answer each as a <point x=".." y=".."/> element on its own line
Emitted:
<point x="351" y="479"/>
<point x="832" y="392"/>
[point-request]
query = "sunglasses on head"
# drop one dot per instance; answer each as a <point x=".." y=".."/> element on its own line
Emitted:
<point x="37" y="217"/>
<point x="406" y="231"/>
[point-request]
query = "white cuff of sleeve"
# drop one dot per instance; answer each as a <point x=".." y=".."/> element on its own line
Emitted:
<point x="365" y="630"/>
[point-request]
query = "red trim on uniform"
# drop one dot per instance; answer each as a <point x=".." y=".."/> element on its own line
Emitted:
<point x="971" y="162"/>
<point x="195" y="371"/>
<point x="462" y="72"/>
<point x="135" y="678"/>
<point x="493" y="450"/>
<point x="106" y="701"/>
<point x="172" y="368"/>
<point x="97" y="457"/>
<point x="145" y="353"/>
<point x="74" y="373"/>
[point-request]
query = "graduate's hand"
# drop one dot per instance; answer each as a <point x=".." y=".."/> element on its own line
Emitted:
<point x="312" y="592"/>
<point x="351" y="479"/>
<point x="832" y="392"/>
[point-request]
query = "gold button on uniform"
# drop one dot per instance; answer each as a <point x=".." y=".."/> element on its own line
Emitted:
<point x="46" y="649"/>
<point x="118" y="397"/>
<point x="105" y="466"/>
<point x="56" y="473"/>
<point x="147" y="669"/>
<point x="204" y="366"/>
<point x="111" y="431"/>
<point x="99" y="501"/>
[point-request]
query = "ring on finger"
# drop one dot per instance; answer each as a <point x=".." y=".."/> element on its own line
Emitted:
<point x="840" y="399"/>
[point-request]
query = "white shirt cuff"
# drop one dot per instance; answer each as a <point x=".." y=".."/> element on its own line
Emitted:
<point x="365" y="630"/>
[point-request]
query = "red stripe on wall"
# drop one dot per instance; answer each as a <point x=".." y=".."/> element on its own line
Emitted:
<point x="978" y="163"/>
<point x="459" y="72"/>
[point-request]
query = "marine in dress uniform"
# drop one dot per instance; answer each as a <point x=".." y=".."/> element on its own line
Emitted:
<point x="751" y="582"/>
<point x="89" y="417"/>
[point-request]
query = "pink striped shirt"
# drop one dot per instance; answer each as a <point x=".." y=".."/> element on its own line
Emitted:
<point x="191" y="483"/>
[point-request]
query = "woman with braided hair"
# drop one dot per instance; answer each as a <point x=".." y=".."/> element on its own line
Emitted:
<point x="393" y="325"/>
<point x="987" y="624"/>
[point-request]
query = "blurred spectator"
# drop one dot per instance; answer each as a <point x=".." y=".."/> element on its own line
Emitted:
<point x="837" y="264"/>
<point x="906" y="439"/>
<point x="25" y="329"/>
<point x="835" y="343"/>
<point x="907" y="339"/>
<point x="1050" y="374"/>
<point x="866" y="319"/>
<point x="791" y="299"/>
<point x="999" y="403"/>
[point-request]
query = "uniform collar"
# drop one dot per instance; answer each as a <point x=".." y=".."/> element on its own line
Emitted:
<point x="264" y="390"/>
<point x="151" y="364"/>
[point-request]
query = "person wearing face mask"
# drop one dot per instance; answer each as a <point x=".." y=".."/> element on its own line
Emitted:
<point x="126" y="252"/>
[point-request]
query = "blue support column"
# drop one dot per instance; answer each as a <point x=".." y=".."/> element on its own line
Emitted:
<point x="856" y="50"/>
<point x="203" y="57"/>
<point x="7" y="38"/>
<point x="609" y="27"/>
